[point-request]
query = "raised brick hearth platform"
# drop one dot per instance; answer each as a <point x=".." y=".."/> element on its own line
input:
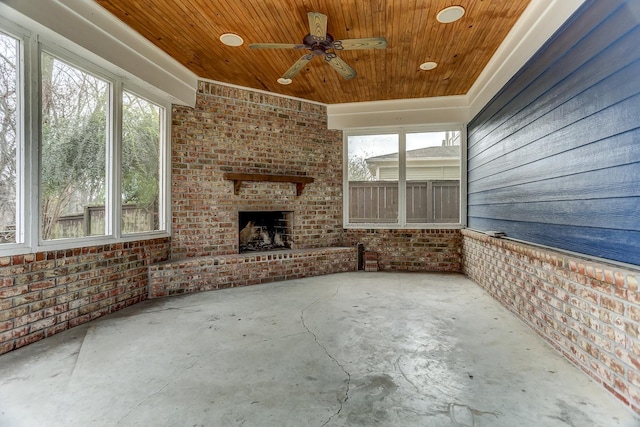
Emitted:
<point x="225" y="271"/>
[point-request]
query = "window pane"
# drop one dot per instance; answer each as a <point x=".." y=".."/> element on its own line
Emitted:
<point x="373" y="178"/>
<point x="73" y="165"/>
<point x="141" y="142"/>
<point x="8" y="137"/>
<point x="433" y="177"/>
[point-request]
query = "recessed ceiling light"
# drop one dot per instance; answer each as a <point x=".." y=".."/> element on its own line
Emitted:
<point x="231" y="39"/>
<point x="428" y="66"/>
<point x="283" y="81"/>
<point x="450" y="14"/>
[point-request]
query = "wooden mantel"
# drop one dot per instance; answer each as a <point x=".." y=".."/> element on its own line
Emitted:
<point x="237" y="179"/>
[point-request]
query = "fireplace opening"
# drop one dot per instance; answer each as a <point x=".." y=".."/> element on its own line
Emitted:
<point x="264" y="230"/>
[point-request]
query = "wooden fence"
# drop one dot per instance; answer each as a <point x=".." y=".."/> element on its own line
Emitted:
<point x="427" y="201"/>
<point x="91" y="222"/>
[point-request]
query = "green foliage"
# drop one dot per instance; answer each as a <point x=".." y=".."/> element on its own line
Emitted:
<point x="140" y="152"/>
<point x="74" y="143"/>
<point x="73" y="155"/>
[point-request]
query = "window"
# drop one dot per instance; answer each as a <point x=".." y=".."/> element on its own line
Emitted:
<point x="9" y="50"/>
<point x="404" y="178"/>
<point x="75" y="108"/>
<point x="82" y="156"/>
<point x="141" y="143"/>
<point x="373" y="187"/>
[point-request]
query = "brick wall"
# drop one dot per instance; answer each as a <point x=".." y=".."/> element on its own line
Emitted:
<point x="45" y="293"/>
<point x="587" y="310"/>
<point x="225" y="271"/>
<point x="411" y="250"/>
<point x="237" y="130"/>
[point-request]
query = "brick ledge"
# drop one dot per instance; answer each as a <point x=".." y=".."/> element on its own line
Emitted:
<point x="224" y="271"/>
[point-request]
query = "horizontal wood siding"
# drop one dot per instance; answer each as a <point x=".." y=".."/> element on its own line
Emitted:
<point x="554" y="158"/>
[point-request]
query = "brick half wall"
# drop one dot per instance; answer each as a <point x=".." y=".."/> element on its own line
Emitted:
<point x="410" y="250"/>
<point x="587" y="310"/>
<point x="44" y="293"/>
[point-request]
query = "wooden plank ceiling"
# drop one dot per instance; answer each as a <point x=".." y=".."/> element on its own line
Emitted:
<point x="189" y="31"/>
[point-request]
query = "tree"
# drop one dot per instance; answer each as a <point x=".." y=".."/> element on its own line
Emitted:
<point x="8" y="135"/>
<point x="358" y="169"/>
<point x="73" y="147"/>
<point x="140" y="153"/>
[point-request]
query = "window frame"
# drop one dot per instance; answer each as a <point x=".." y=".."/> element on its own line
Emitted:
<point x="402" y="175"/>
<point x="29" y="133"/>
<point x="164" y="163"/>
<point x="23" y="136"/>
<point x="72" y="60"/>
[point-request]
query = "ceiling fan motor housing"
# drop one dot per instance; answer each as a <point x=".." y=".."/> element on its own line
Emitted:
<point x="316" y="45"/>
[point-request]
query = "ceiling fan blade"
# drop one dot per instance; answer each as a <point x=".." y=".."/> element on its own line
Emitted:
<point x="317" y="25"/>
<point x="367" y="43"/>
<point x="297" y="66"/>
<point x="340" y="66"/>
<point x="276" y="46"/>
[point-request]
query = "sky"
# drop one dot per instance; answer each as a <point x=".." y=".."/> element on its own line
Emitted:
<point x="377" y="145"/>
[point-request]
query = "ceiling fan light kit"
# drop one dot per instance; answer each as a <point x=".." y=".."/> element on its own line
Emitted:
<point x="320" y="43"/>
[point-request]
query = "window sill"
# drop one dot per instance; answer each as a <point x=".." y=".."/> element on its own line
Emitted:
<point x="11" y="249"/>
<point x="378" y="226"/>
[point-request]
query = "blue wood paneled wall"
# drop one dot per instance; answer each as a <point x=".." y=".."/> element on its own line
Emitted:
<point x="554" y="158"/>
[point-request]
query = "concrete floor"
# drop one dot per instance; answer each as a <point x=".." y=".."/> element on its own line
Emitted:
<point x="351" y="349"/>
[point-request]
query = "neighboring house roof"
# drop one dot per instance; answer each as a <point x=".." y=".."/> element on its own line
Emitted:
<point x="439" y="151"/>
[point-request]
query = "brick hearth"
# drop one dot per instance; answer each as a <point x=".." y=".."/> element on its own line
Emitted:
<point x="225" y="271"/>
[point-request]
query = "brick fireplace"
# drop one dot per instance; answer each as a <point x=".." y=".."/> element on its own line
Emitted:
<point x="240" y="156"/>
<point x="235" y="134"/>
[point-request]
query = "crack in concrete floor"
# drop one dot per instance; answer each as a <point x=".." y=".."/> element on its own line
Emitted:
<point x="315" y="337"/>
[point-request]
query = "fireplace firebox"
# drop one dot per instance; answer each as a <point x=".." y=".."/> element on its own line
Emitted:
<point x="264" y="230"/>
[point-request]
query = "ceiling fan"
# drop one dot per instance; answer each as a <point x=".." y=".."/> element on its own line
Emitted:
<point x="321" y="43"/>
